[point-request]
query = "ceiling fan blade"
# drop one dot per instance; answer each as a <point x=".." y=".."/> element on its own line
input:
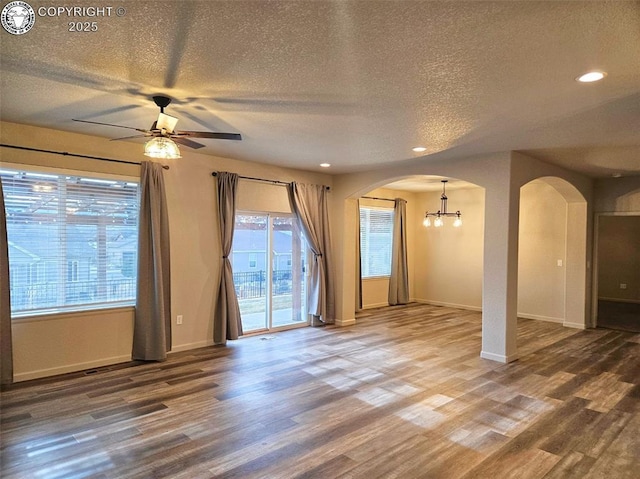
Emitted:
<point x="166" y="122"/>
<point x="210" y="134"/>
<point x="110" y="124"/>
<point x="129" y="137"/>
<point x="186" y="142"/>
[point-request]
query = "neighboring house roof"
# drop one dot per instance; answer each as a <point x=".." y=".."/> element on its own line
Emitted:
<point x="32" y="242"/>
<point x="17" y="253"/>
<point x="247" y="240"/>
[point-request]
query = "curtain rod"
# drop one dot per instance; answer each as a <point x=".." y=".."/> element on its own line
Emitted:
<point x="376" y="198"/>
<point x="263" y="180"/>
<point x="65" y="153"/>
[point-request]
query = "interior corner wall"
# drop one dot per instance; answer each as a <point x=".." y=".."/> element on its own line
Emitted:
<point x="541" y="246"/>
<point x="87" y="339"/>
<point x="449" y="261"/>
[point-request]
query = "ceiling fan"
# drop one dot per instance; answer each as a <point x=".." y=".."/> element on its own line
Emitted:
<point x="165" y="125"/>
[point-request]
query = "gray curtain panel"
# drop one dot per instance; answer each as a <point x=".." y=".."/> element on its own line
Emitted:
<point x="309" y="203"/>
<point x="152" y="325"/>
<point x="399" y="279"/>
<point x="227" y="323"/>
<point x="6" y="344"/>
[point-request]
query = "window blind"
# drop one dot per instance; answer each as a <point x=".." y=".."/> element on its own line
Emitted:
<point x="376" y="236"/>
<point x="72" y="241"/>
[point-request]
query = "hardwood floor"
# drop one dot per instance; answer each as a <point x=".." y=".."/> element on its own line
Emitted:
<point x="402" y="394"/>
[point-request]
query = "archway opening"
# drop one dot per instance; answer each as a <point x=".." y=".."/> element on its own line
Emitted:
<point x="552" y="253"/>
<point x="445" y="264"/>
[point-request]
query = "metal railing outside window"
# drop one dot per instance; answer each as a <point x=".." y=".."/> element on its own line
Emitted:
<point x="253" y="284"/>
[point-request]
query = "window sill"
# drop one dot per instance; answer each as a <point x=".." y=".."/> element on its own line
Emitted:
<point x="376" y="278"/>
<point x="48" y="314"/>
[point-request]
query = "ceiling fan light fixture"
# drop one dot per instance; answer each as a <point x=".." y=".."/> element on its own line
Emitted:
<point x="163" y="148"/>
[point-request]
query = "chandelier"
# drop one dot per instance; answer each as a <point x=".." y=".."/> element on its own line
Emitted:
<point x="442" y="212"/>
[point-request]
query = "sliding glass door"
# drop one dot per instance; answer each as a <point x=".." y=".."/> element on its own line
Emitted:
<point x="268" y="261"/>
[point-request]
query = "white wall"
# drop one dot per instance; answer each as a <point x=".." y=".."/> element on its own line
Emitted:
<point x="57" y="344"/>
<point x="449" y="260"/>
<point x="542" y="243"/>
<point x="72" y="342"/>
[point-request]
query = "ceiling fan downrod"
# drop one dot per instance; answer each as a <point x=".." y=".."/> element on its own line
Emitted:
<point x="161" y="101"/>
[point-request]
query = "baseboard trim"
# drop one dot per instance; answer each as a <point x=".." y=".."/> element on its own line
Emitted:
<point x="374" y="306"/>
<point x="574" y="325"/>
<point x="189" y="346"/>
<point x="345" y="322"/>
<point x="499" y="357"/>
<point x="449" y="305"/>
<point x="70" y="368"/>
<point x="538" y="317"/>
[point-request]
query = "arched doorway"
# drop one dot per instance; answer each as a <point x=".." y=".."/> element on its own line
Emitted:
<point x="445" y="264"/>
<point x="552" y="253"/>
<point x="501" y="175"/>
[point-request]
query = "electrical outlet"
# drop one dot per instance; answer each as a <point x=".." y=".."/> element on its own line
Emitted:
<point x="179" y="319"/>
<point x="559" y="263"/>
<point x="623" y="285"/>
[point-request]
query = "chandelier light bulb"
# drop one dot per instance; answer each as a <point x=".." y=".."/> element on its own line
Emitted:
<point x="427" y="222"/>
<point x="458" y="222"/>
<point x="438" y="222"/>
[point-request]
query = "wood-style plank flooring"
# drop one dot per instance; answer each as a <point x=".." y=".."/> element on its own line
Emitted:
<point x="403" y="394"/>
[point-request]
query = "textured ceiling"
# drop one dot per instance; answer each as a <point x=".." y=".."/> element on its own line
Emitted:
<point x="355" y="84"/>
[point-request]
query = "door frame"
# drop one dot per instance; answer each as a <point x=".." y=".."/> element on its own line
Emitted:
<point x="269" y="274"/>
<point x="596" y="239"/>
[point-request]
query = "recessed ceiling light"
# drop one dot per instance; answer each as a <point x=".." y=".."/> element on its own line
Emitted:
<point x="617" y="175"/>
<point x="325" y="165"/>
<point x="419" y="149"/>
<point x="591" y="76"/>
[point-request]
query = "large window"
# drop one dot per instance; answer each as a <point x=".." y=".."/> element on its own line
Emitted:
<point x="72" y="241"/>
<point x="376" y="236"/>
